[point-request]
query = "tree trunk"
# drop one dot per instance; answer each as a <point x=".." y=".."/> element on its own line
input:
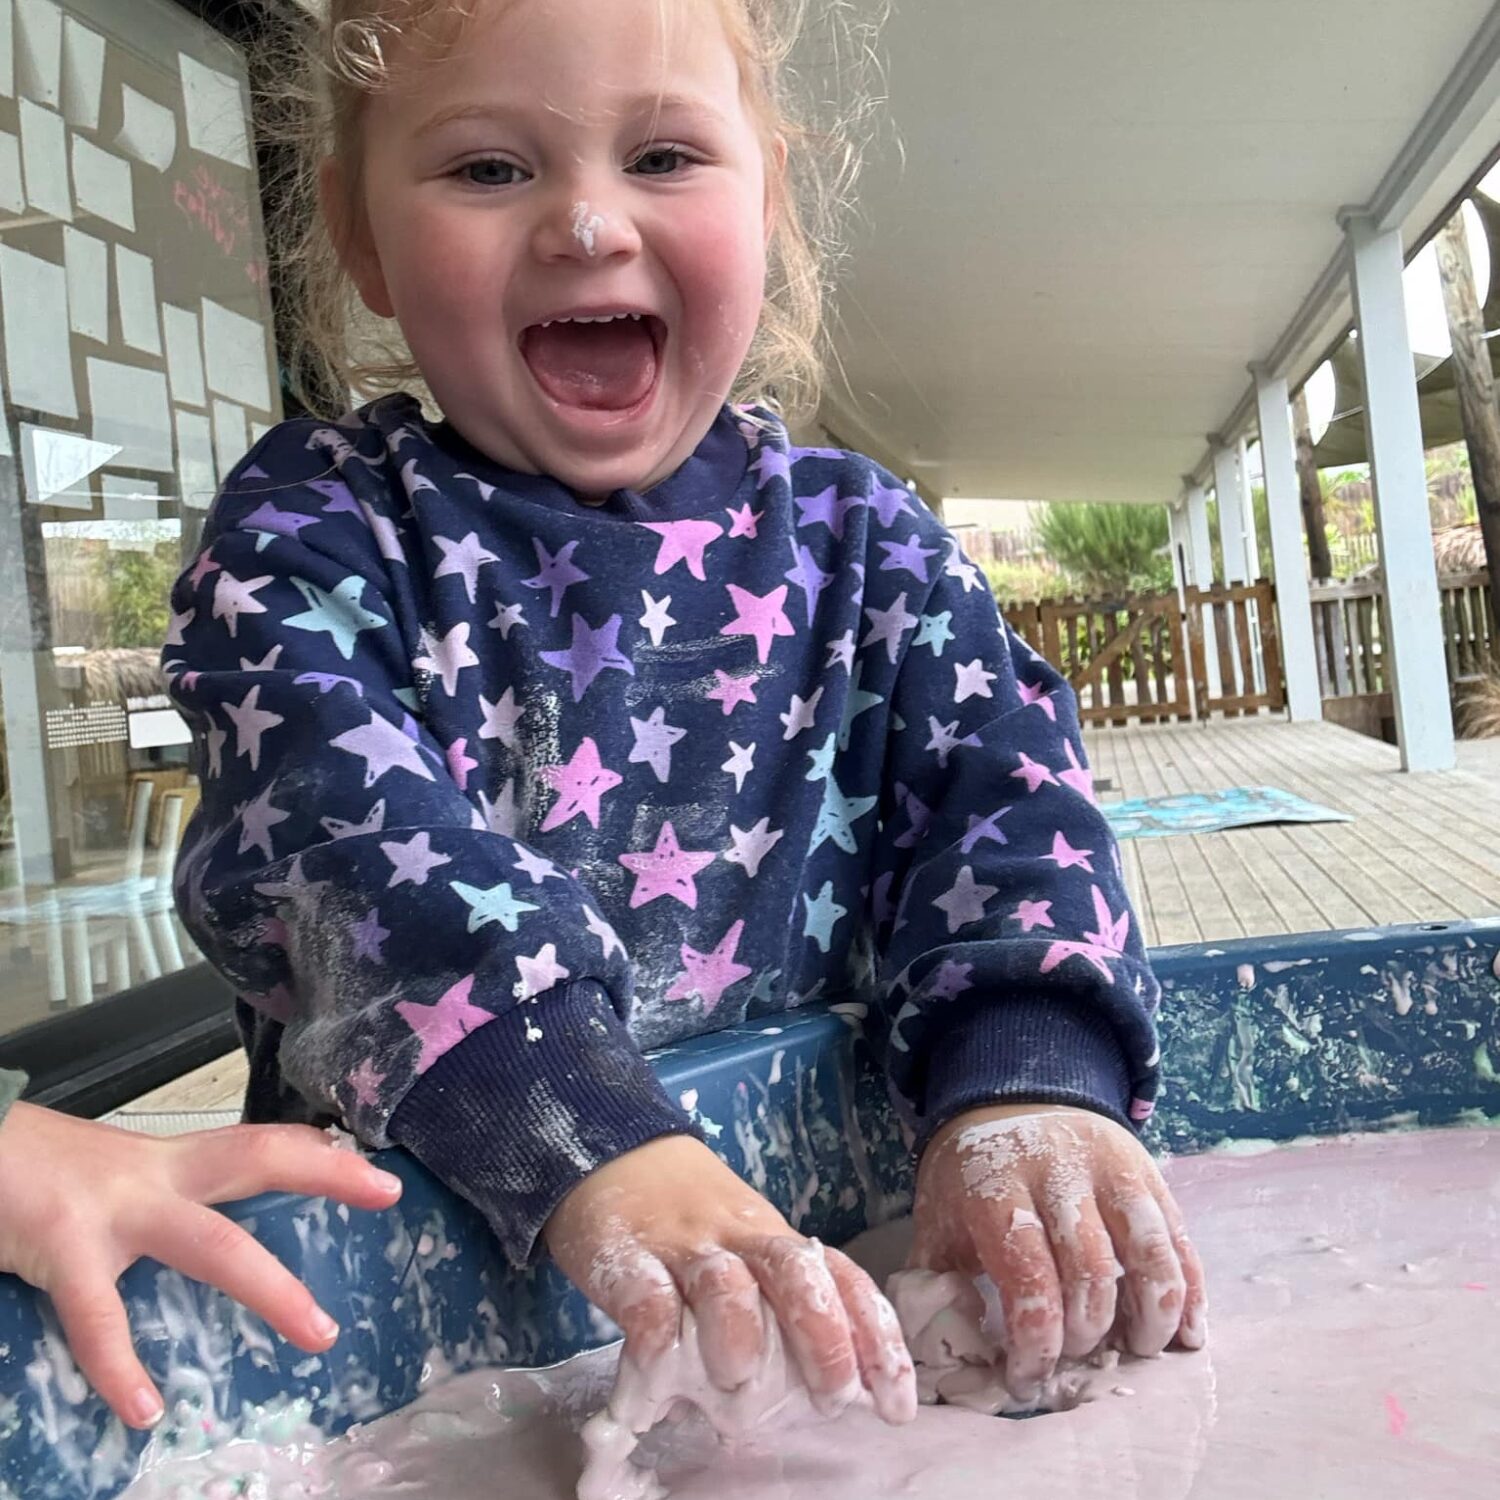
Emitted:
<point x="1475" y="383"/>
<point x="1313" y="519"/>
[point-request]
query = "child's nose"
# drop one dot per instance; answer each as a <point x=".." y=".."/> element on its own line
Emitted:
<point x="586" y="228"/>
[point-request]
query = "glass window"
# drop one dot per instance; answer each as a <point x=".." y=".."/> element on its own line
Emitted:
<point x="136" y="365"/>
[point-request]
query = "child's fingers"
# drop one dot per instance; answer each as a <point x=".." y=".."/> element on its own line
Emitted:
<point x="638" y="1292"/>
<point x="1014" y="1250"/>
<point x="1192" y="1331"/>
<point x="885" y="1363"/>
<point x="210" y="1248"/>
<point x="800" y="1288"/>
<point x="94" y="1323"/>
<point x="222" y="1165"/>
<point x="1154" y="1285"/>
<point x="725" y="1299"/>
<point x="1086" y="1268"/>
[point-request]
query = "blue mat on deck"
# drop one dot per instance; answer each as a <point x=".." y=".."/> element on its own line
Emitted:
<point x="1209" y="812"/>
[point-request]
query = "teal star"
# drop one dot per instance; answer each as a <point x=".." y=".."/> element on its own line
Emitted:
<point x="837" y="816"/>
<point x="406" y="697"/>
<point x="855" y="704"/>
<point x="494" y="905"/>
<point x="822" y="916"/>
<point x="764" y="992"/>
<point x="339" y="613"/>
<point x="934" y="632"/>
<point x="822" y="760"/>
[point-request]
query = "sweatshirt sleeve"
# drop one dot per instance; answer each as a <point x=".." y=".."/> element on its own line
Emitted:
<point x="440" y="984"/>
<point x="1009" y="960"/>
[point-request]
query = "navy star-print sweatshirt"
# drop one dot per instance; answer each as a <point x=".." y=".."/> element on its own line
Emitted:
<point x="500" y="788"/>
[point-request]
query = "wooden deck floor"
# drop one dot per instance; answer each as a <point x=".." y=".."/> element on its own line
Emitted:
<point x="1422" y="847"/>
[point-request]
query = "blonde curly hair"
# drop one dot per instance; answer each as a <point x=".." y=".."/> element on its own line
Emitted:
<point x="313" y="81"/>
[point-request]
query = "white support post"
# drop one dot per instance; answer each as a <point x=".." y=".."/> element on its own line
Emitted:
<point x="1278" y="456"/>
<point x="1231" y="546"/>
<point x="1252" y="557"/>
<point x="1200" y="554"/>
<point x="1177" y="544"/>
<point x="1393" y="426"/>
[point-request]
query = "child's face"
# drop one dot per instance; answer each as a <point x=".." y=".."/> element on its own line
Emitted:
<point x="598" y="166"/>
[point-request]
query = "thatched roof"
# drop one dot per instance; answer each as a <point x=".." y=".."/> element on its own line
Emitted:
<point x="1456" y="549"/>
<point x="121" y="672"/>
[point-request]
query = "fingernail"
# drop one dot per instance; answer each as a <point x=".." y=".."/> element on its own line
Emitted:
<point x="144" y="1409"/>
<point x="325" y="1327"/>
<point x="387" y="1182"/>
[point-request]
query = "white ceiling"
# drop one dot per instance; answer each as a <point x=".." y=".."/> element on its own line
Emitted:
<point x="1109" y="207"/>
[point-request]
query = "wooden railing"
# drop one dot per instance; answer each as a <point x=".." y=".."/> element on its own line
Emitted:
<point x="1241" y="618"/>
<point x="1350" y="632"/>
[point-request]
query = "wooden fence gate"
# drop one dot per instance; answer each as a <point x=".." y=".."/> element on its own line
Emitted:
<point x="1146" y="657"/>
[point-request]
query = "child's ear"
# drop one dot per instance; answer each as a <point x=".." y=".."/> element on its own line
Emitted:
<point x="352" y="242"/>
<point x="775" y="177"/>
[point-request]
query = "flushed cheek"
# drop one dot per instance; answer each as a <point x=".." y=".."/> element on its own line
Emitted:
<point x="721" y="277"/>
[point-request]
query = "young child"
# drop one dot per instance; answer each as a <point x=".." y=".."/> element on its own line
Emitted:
<point x="597" y="715"/>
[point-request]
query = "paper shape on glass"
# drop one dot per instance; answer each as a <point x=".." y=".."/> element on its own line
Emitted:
<point x="82" y="73"/>
<point x="127" y="499"/>
<point x="184" y="355"/>
<point x="196" y="477"/>
<point x="44" y="160"/>
<point x="149" y="130"/>
<point x="39" y="50"/>
<point x="56" y="465"/>
<point x="257" y="431"/>
<point x="12" y="192"/>
<point x="38" y="353"/>
<point x="231" y="441"/>
<point x="135" y="286"/>
<point x="102" y="184"/>
<point x="215" y="108"/>
<point x="87" y="263"/>
<point x="234" y="355"/>
<point x="129" y="407"/>
<point x="7" y="52"/>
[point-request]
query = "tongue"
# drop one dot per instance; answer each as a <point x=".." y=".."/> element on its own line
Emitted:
<point x="598" y="366"/>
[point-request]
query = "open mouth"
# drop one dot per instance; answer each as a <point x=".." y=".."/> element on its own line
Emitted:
<point x="607" y="362"/>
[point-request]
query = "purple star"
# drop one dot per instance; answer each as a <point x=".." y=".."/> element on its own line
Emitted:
<point x="325" y="682"/>
<point x="829" y="509"/>
<point x="909" y="556"/>
<point x="888" y="504"/>
<point x="369" y="935"/>
<point x="983" y="828"/>
<point x="338" y="495"/>
<point x="807" y="576"/>
<point x="266" y="517"/>
<point x="557" y="572"/>
<point x="770" y="463"/>
<point x="592" y="652"/>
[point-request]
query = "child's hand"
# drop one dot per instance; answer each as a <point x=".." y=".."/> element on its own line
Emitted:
<point x="83" y="1201"/>
<point x="1053" y="1202"/>
<point x="669" y="1223"/>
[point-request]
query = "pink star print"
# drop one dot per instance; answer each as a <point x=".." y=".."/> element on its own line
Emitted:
<point x="1066" y="857"/>
<point x="684" y="541"/>
<point x="732" y="690"/>
<point x="1098" y="947"/>
<point x="760" y="616"/>
<point x="579" y="785"/>
<point x="460" y="763"/>
<point x="708" y="975"/>
<point x="202" y="568"/>
<point x="1078" y="776"/>
<point x="1034" y="914"/>
<point x="666" y="870"/>
<point x="444" y="1024"/>
<point x="365" y="1082"/>
<point x="1034" y="773"/>
<point x="1038" y="695"/>
<point x="744" y="521"/>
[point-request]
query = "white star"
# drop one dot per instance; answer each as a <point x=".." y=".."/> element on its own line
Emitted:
<point x="964" y="901"/>
<point x="500" y="718"/>
<point x="257" y="819"/>
<point x="507" y="617"/>
<point x="961" y="568"/>
<point x="501" y="815"/>
<point x="177" y="624"/>
<point x="740" y="763"/>
<point x="656" y="619"/>
<point x="973" y="680"/>
<point x="888" y="625"/>
<point x="654" y="739"/>
<point x="384" y="530"/>
<point x="539" y="972"/>
<point x="464" y="558"/>
<point x="535" y="866"/>
<point x="800" y="715"/>
<point x="945" y="740"/>
<point x="447" y="657"/>
<point x="414" y="861"/>
<point x="842" y="651"/>
<point x="604" y="932"/>
<point x="250" y="723"/>
<point x="751" y="846"/>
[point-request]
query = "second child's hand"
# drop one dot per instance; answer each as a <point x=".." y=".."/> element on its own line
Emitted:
<point x="669" y="1226"/>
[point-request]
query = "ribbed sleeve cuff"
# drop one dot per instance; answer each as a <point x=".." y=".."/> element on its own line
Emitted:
<point x="1026" y="1051"/>
<point x="513" y="1126"/>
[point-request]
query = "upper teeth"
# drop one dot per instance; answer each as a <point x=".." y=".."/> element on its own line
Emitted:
<point x="606" y="318"/>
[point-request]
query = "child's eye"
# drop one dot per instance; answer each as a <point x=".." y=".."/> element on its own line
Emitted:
<point x="491" y="172"/>
<point x="660" y="161"/>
